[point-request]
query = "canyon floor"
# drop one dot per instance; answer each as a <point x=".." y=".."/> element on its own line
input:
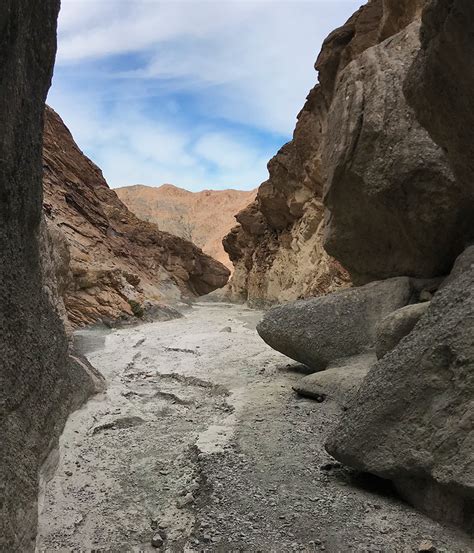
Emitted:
<point x="200" y="444"/>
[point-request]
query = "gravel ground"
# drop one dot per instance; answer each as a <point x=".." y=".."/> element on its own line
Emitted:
<point x="199" y="444"/>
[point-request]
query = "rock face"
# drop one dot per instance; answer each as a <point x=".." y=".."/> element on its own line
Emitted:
<point x="439" y="86"/>
<point x="117" y="261"/>
<point x="277" y="249"/>
<point x="412" y="420"/>
<point x="40" y="382"/>
<point x="394" y="203"/>
<point x="203" y="218"/>
<point x="321" y="330"/>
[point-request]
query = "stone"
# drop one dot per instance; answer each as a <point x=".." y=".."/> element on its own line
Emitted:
<point x="226" y="329"/>
<point x="318" y="331"/>
<point x="396" y="326"/>
<point x="41" y="378"/>
<point x="412" y="419"/>
<point x="439" y="87"/>
<point x="426" y="546"/>
<point x="394" y="205"/>
<point x="339" y="383"/>
<point x="463" y="263"/>
<point x="157" y="541"/>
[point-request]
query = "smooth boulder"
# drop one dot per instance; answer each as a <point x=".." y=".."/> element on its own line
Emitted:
<point x="412" y="420"/>
<point x="321" y="330"/>
<point x="397" y="325"/>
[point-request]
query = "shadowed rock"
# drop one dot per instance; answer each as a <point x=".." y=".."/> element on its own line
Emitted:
<point x="397" y="325"/>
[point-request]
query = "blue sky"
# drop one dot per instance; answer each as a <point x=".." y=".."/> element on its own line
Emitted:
<point x="196" y="93"/>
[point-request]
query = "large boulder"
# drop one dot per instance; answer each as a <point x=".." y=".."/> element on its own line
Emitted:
<point x="395" y="207"/>
<point x="413" y="418"/>
<point x="397" y="325"/>
<point x="40" y="382"/>
<point x="321" y="330"/>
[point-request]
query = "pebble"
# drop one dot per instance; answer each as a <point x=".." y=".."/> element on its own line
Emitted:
<point x="157" y="541"/>
<point x="426" y="546"/>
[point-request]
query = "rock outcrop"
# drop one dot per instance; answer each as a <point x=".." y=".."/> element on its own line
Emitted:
<point x="41" y="381"/>
<point x="203" y="218"/>
<point x="118" y="262"/>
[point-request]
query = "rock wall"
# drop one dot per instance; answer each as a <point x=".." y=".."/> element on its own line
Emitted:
<point x="40" y="380"/>
<point x="397" y="156"/>
<point x="119" y="263"/>
<point x="277" y="249"/>
<point x="201" y="217"/>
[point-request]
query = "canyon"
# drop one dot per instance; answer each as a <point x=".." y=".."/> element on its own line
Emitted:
<point x="203" y="218"/>
<point x="342" y="417"/>
<point x="113" y="264"/>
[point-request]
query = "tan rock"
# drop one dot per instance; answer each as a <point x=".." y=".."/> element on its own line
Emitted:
<point x="202" y="217"/>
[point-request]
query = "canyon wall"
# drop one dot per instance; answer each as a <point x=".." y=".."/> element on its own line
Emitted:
<point x="394" y="155"/>
<point x="296" y="240"/>
<point x="202" y="217"/>
<point x="120" y="266"/>
<point x="41" y="379"/>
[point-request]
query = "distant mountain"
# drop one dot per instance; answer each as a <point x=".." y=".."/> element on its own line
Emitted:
<point x="201" y="217"/>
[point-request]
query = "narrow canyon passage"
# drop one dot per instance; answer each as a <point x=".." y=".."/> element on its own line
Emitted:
<point x="200" y="444"/>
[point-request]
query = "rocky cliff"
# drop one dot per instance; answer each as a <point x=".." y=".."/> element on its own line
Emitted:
<point x="119" y="264"/>
<point x="202" y="217"/>
<point x="397" y="181"/>
<point x="393" y="156"/>
<point x="41" y="379"/>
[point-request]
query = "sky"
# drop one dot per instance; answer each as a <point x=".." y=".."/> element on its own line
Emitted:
<point x="196" y="93"/>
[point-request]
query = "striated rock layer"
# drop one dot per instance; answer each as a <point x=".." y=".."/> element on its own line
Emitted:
<point x="203" y="218"/>
<point x="119" y="263"/>
<point x="41" y="380"/>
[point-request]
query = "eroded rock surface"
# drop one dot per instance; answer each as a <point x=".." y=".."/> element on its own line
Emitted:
<point x="40" y="381"/>
<point x="277" y="249"/>
<point x="203" y="218"/>
<point x="117" y="261"/>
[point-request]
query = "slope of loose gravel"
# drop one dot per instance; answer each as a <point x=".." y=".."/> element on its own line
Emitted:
<point x="200" y="441"/>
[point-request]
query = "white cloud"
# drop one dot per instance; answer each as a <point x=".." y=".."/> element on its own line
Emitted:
<point x="247" y="62"/>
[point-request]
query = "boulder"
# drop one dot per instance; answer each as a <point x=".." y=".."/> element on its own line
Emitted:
<point x="339" y="383"/>
<point x="412" y="420"/>
<point x="397" y="325"/>
<point x="319" y="331"/>
<point x="394" y="205"/>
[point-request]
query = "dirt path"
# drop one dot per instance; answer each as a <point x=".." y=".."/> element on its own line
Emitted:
<point x="199" y="441"/>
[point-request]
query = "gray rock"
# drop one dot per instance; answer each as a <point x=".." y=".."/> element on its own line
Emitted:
<point x="339" y="383"/>
<point x="226" y="329"/>
<point x="397" y="325"/>
<point x="395" y="206"/>
<point x="463" y="263"/>
<point x="412" y="420"/>
<point x="321" y="330"/>
<point x="157" y="541"/>
<point x="40" y="381"/>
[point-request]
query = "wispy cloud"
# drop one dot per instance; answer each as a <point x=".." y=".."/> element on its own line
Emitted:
<point x="198" y="93"/>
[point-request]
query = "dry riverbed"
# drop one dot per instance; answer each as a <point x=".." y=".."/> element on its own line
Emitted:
<point x="199" y="444"/>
